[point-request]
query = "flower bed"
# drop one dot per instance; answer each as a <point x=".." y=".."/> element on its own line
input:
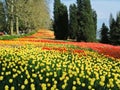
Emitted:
<point x="35" y="68"/>
<point x="31" y="63"/>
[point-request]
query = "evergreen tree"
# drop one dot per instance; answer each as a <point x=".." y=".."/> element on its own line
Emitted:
<point x="60" y="20"/>
<point x="95" y="20"/>
<point x="115" y="30"/>
<point x="117" y="35"/>
<point x="73" y="26"/>
<point x="63" y="20"/>
<point x="87" y="30"/>
<point x="80" y="32"/>
<point x="56" y="17"/>
<point x="104" y="34"/>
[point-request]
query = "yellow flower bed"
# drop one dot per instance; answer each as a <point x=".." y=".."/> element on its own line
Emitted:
<point x="29" y="67"/>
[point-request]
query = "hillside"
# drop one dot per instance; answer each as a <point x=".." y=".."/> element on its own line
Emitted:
<point x="47" y="36"/>
<point x="41" y="34"/>
<point x="38" y="62"/>
<point x="44" y="36"/>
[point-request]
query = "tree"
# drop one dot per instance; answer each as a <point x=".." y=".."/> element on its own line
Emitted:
<point x="9" y="9"/>
<point x="104" y="34"/>
<point x="73" y="26"/>
<point x="2" y="17"/>
<point x="80" y="34"/>
<point x="26" y="15"/>
<point x="95" y="19"/>
<point x="85" y="22"/>
<point x="115" y="30"/>
<point x="60" y="20"/>
<point x="63" y="18"/>
<point x="34" y="14"/>
<point x="118" y="29"/>
<point x="56" y="17"/>
<point x="11" y="17"/>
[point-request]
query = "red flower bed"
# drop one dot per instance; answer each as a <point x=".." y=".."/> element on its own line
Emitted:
<point x="54" y="48"/>
<point x="82" y="52"/>
<point x="106" y="49"/>
<point x="109" y="50"/>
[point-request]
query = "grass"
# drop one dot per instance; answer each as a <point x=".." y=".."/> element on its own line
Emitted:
<point x="11" y="37"/>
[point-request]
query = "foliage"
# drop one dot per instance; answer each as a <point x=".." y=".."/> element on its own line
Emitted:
<point x="115" y="30"/>
<point x="8" y="37"/>
<point x="60" y="20"/>
<point x="2" y="17"/>
<point x="86" y="23"/>
<point x="26" y="15"/>
<point x="95" y="20"/>
<point x="11" y="37"/>
<point x="104" y="34"/>
<point x="73" y="26"/>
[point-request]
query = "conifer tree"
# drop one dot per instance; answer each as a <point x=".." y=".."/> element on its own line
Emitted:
<point x="80" y="32"/>
<point x="56" y="18"/>
<point x="117" y="35"/>
<point x="63" y="26"/>
<point x="60" y="20"/>
<point x="95" y="20"/>
<point x="73" y="26"/>
<point x="87" y="30"/>
<point x="104" y="34"/>
<point x="114" y="30"/>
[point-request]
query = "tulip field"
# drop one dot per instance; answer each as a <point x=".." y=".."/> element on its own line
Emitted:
<point x="34" y="63"/>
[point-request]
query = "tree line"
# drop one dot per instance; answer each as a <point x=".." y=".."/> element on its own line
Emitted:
<point x="82" y="22"/>
<point x="111" y="34"/>
<point x="23" y="15"/>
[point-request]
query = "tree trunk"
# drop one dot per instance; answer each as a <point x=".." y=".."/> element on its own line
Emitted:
<point x="17" y="26"/>
<point x="11" y="20"/>
<point x="11" y="27"/>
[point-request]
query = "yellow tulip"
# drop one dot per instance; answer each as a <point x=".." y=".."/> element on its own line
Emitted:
<point x="43" y="86"/>
<point x="32" y="86"/>
<point x="1" y="78"/>
<point x="12" y="88"/>
<point x="31" y="80"/>
<point x="34" y="75"/>
<point x="101" y="83"/>
<point x="6" y="87"/>
<point x="55" y="82"/>
<point x="83" y="84"/>
<point x="47" y="79"/>
<point x="25" y="81"/>
<point x="64" y="86"/>
<point x="89" y="87"/>
<point x="22" y="87"/>
<point x="74" y="82"/>
<point x="48" y="84"/>
<point x="10" y="80"/>
<point x="73" y="87"/>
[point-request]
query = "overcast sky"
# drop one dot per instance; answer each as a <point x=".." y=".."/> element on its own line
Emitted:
<point x="102" y="7"/>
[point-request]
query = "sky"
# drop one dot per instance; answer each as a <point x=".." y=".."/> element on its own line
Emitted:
<point x="103" y="8"/>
